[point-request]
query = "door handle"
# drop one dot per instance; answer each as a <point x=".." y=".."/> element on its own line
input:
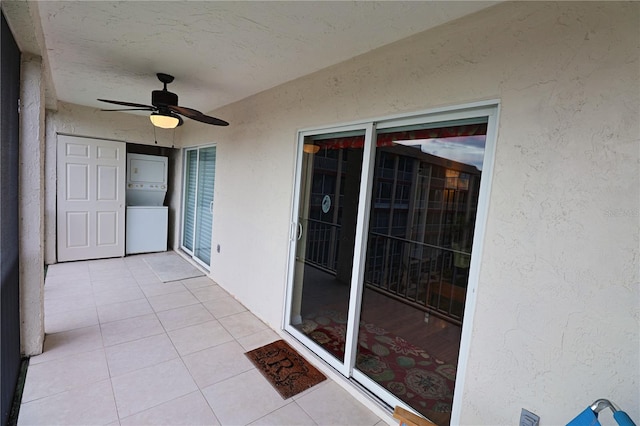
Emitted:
<point x="211" y="207"/>
<point x="299" y="231"/>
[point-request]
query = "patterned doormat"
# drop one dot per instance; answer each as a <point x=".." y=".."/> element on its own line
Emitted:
<point x="284" y="368"/>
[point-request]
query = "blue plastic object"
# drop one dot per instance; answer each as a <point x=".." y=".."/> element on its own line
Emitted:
<point x="589" y="417"/>
<point x="586" y="418"/>
<point x="623" y="419"/>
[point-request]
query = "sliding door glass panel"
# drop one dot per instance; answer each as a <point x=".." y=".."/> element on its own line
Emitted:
<point x="204" y="209"/>
<point x="197" y="218"/>
<point x="190" y="188"/>
<point x="328" y="207"/>
<point x="422" y="218"/>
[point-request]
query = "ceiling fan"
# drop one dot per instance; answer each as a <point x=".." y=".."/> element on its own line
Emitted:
<point x="165" y="110"/>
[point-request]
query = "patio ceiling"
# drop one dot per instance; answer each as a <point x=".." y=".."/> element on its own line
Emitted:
<point x="219" y="52"/>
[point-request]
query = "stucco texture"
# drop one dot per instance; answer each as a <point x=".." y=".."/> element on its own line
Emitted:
<point x="557" y="313"/>
<point x="556" y="319"/>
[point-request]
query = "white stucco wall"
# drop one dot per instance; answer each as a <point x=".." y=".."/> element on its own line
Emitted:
<point x="556" y="323"/>
<point x="31" y="205"/>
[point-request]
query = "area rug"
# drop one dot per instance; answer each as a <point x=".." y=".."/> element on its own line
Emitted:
<point x="170" y="266"/>
<point x="409" y="372"/>
<point x="284" y="368"/>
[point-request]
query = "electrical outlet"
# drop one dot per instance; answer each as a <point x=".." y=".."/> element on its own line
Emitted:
<point x="527" y="418"/>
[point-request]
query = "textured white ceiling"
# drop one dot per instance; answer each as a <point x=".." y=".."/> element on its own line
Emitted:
<point x="219" y="52"/>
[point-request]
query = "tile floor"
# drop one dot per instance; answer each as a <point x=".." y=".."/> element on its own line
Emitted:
<point x="124" y="348"/>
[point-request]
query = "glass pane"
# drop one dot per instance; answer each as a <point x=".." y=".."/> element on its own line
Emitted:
<point x="191" y="168"/>
<point x="204" y="210"/>
<point x="424" y="201"/>
<point x="329" y="192"/>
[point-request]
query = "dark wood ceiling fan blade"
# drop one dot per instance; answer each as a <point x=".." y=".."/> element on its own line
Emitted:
<point x="197" y="115"/>
<point x="130" y="104"/>
<point x="130" y="109"/>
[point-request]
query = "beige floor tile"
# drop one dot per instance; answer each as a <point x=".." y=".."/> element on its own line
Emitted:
<point x="70" y="320"/>
<point x="118" y="295"/>
<point x="69" y="270"/>
<point x="242" y="324"/>
<point x="112" y="273"/>
<point x="66" y="343"/>
<point x="211" y="292"/>
<point x="140" y="269"/>
<point x="146" y="356"/>
<point x="91" y="404"/>
<point x="123" y="310"/>
<point x="148" y="387"/>
<point x="131" y="356"/>
<point x="144" y="279"/>
<point x="188" y="410"/>
<point x="332" y="405"/>
<point x="53" y="377"/>
<point x="130" y="329"/>
<point x="134" y="260"/>
<point x="197" y="282"/>
<point x="215" y="364"/>
<point x="185" y="316"/>
<point x="53" y="290"/>
<point x="135" y="263"/>
<point x="243" y="399"/>
<point x="309" y="390"/>
<point x="224" y="306"/>
<point x="158" y="288"/>
<point x="165" y="302"/>
<point x="198" y="337"/>
<point x="106" y="265"/>
<point x="259" y="339"/>
<point x="289" y="415"/>
<point x="64" y="304"/>
<point x="113" y="284"/>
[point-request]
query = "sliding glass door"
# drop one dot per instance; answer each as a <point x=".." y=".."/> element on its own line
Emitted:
<point x="331" y="177"/>
<point x="383" y="244"/>
<point x="197" y="217"/>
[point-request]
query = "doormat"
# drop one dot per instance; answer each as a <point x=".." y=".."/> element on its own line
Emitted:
<point x="409" y="372"/>
<point x="170" y="266"/>
<point x="287" y="371"/>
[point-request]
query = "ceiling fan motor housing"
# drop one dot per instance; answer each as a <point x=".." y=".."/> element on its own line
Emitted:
<point x="163" y="97"/>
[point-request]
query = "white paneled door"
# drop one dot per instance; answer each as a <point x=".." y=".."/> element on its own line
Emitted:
<point x="91" y="198"/>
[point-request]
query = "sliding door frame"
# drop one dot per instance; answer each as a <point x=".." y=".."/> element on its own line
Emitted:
<point x="489" y="109"/>
<point x="191" y="252"/>
<point x="357" y="271"/>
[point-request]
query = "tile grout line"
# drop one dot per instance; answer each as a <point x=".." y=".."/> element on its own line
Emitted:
<point x="181" y="357"/>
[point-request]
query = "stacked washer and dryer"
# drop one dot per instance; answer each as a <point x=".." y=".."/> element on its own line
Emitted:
<point x="147" y="217"/>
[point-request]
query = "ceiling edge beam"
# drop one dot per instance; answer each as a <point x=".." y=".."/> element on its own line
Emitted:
<point x="23" y="18"/>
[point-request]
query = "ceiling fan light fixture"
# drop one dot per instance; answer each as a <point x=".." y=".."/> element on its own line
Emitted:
<point x="311" y="148"/>
<point x="167" y="113"/>
<point x="164" y="121"/>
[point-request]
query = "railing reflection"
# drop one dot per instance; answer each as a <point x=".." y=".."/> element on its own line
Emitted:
<point x="429" y="277"/>
<point x="322" y="244"/>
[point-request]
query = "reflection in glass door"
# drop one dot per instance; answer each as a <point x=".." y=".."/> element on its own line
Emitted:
<point x="382" y="254"/>
<point x="328" y="206"/>
<point x="197" y="220"/>
<point x="422" y="217"/>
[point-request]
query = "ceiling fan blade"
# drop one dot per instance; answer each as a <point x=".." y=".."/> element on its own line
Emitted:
<point x="197" y="115"/>
<point x="130" y="109"/>
<point x="130" y="104"/>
